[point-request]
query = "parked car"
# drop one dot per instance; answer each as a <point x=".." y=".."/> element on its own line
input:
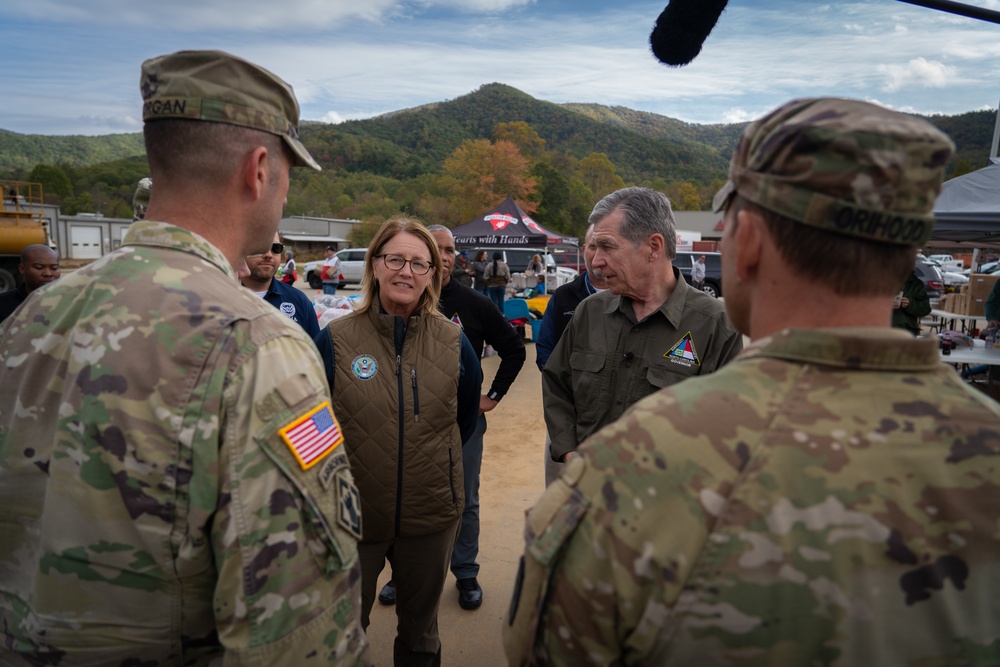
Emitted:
<point x="352" y="268"/>
<point x="571" y="259"/>
<point x="930" y="276"/>
<point x="950" y="275"/>
<point x="713" y="270"/>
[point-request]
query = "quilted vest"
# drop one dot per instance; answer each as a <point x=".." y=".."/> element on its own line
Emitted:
<point x="399" y="421"/>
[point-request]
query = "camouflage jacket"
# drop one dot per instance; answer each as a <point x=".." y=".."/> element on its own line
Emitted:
<point x="151" y="510"/>
<point x="830" y="497"/>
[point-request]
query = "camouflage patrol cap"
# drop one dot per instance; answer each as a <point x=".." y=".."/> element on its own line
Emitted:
<point x="845" y="166"/>
<point x="219" y="87"/>
<point x="140" y="200"/>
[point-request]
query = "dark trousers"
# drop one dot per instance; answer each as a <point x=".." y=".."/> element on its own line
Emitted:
<point x="463" y="558"/>
<point x="419" y="569"/>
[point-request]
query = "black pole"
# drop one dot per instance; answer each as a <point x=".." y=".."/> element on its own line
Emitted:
<point x="958" y="8"/>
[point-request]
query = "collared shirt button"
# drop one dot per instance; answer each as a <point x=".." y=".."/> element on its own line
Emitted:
<point x="635" y="329"/>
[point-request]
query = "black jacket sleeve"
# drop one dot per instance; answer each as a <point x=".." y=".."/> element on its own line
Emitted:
<point x="501" y="335"/>
<point x="325" y="345"/>
<point x="470" y="384"/>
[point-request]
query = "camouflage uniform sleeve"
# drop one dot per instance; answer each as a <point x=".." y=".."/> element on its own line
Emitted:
<point x="284" y="535"/>
<point x="609" y="547"/>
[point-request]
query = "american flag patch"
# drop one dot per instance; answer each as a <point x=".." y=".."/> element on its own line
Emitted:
<point x="313" y="435"/>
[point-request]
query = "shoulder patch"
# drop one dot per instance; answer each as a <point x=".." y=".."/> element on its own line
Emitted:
<point x="683" y="352"/>
<point x="313" y="435"/>
<point x="348" y="506"/>
<point x="455" y="319"/>
<point x="364" y="367"/>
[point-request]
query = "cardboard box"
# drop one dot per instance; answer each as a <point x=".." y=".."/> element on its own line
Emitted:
<point x="980" y="286"/>
<point x="945" y="303"/>
<point x="962" y="304"/>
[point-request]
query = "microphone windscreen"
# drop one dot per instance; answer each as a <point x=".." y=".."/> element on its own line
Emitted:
<point x="682" y="28"/>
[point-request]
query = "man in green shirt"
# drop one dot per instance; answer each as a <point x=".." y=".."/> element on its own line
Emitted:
<point x="648" y="331"/>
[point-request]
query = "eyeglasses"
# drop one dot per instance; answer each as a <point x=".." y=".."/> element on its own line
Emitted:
<point x="276" y="249"/>
<point x="396" y="263"/>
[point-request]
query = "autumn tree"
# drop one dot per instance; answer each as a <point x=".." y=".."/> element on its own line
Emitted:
<point x="600" y="175"/>
<point x="523" y="136"/>
<point x="482" y="174"/>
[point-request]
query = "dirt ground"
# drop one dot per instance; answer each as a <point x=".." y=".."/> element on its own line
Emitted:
<point x="512" y="479"/>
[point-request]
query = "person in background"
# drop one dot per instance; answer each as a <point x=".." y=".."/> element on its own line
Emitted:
<point x="174" y="491"/>
<point x="536" y="268"/>
<point x="497" y="275"/>
<point x="290" y="301"/>
<point x="911" y="304"/>
<point x="407" y="383"/>
<point x="479" y="263"/>
<point x="140" y="200"/>
<point x="288" y="273"/>
<point x="330" y="273"/>
<point x="649" y="330"/>
<point x="830" y="496"/>
<point x="698" y="273"/>
<point x="463" y="272"/>
<point x="39" y="266"/>
<point x="991" y="309"/>
<point x="557" y="315"/>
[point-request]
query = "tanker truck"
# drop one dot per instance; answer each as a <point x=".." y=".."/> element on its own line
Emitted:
<point x="21" y="224"/>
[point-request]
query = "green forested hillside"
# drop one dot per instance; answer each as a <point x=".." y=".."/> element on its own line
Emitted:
<point x="24" y="151"/>
<point x="441" y="160"/>
<point x="407" y="143"/>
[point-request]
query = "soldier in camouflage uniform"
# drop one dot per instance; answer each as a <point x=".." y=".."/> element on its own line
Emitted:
<point x="831" y="496"/>
<point x="172" y="489"/>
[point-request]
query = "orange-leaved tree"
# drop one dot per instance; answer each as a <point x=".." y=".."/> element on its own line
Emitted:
<point x="482" y="174"/>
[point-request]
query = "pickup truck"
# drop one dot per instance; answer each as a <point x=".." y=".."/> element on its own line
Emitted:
<point x="947" y="261"/>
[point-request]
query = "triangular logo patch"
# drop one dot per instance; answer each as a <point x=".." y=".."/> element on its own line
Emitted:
<point x="683" y="350"/>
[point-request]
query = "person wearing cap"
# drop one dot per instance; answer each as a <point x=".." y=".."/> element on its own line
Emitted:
<point x="463" y="272"/>
<point x="829" y="497"/>
<point x="649" y="330"/>
<point x="173" y="488"/>
<point x="330" y="273"/>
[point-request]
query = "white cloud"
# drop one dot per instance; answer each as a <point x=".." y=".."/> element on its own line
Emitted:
<point x="199" y="15"/>
<point x="118" y="123"/>
<point x="478" y="6"/>
<point x="332" y="117"/>
<point x="918" y="72"/>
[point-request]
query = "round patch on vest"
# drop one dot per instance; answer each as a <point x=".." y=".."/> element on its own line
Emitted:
<point x="365" y="367"/>
<point x="287" y="308"/>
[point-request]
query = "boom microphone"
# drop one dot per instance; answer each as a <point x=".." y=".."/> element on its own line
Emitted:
<point x="682" y="28"/>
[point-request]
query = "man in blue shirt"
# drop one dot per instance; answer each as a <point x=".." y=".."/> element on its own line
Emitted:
<point x="557" y="314"/>
<point x="289" y="300"/>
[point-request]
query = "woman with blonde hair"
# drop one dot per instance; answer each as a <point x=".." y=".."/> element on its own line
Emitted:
<point x="405" y="384"/>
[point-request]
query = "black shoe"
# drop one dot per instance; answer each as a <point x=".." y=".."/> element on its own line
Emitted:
<point x="388" y="594"/>
<point x="470" y="594"/>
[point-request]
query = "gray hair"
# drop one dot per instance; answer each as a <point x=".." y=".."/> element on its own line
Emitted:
<point x="646" y="212"/>
<point x="440" y="228"/>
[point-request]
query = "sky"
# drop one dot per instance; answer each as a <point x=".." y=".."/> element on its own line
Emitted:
<point x="72" y="66"/>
